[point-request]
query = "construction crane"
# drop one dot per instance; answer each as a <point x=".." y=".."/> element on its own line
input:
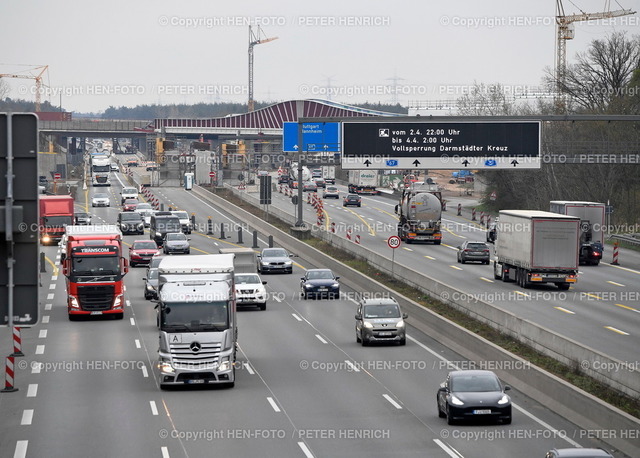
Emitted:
<point x="38" y="77"/>
<point x="565" y="31"/>
<point x="254" y="39"/>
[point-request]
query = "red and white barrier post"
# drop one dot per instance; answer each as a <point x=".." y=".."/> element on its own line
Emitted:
<point x="615" y="254"/>
<point x="17" y="342"/>
<point x="459" y="209"/>
<point x="473" y="214"/>
<point x="358" y="239"/>
<point x="482" y="218"/>
<point x="349" y="234"/>
<point x="9" y="376"/>
<point x="333" y="227"/>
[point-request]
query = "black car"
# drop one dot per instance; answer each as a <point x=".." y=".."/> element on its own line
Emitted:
<point x="578" y="453"/>
<point x="474" y="251"/>
<point x="318" y="283"/>
<point x="82" y="218"/>
<point x="274" y="260"/>
<point x="352" y="199"/>
<point x="473" y="394"/>
<point x="131" y="223"/>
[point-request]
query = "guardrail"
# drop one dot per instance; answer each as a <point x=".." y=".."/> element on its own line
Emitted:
<point x="574" y="404"/>
<point x="626" y="239"/>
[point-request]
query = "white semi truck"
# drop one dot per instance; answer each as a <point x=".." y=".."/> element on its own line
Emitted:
<point x="100" y="170"/>
<point x="363" y="182"/>
<point x="537" y="247"/>
<point x="197" y="320"/>
<point x="592" y="226"/>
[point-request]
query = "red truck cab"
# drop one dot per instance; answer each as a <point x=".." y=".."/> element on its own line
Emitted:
<point x="94" y="268"/>
<point x="56" y="212"/>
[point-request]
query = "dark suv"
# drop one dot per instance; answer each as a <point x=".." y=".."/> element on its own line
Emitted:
<point x="352" y="199"/>
<point x="474" y="251"/>
<point x="131" y="223"/>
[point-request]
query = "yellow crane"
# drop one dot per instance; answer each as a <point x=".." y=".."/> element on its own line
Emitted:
<point x="565" y="31"/>
<point x="254" y="39"/>
<point x="38" y="77"/>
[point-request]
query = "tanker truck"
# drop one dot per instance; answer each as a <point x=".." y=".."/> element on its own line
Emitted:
<point x="419" y="213"/>
<point x="293" y="174"/>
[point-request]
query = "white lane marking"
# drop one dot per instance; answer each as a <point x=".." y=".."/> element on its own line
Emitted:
<point x="486" y="279"/>
<point x="27" y="417"/>
<point x="393" y="403"/>
<point x="50" y="296"/>
<point x="145" y="373"/>
<point x="321" y="339"/>
<point x="449" y="451"/>
<point x="138" y="343"/>
<point x="42" y="334"/>
<point x="530" y="415"/>
<point x="39" y="349"/>
<point x="430" y="257"/>
<point x="305" y="450"/>
<point x="54" y="278"/>
<point x="456" y="267"/>
<point x="273" y="404"/>
<point x="522" y="294"/>
<point x="562" y="309"/>
<point x="351" y="366"/>
<point x="124" y="288"/>
<point x="35" y="368"/>
<point x="154" y="408"/>
<point x="405" y="248"/>
<point x="276" y="298"/>
<point x="296" y="317"/>
<point x="52" y="286"/>
<point x="48" y="306"/>
<point x="128" y="302"/>
<point x="32" y="391"/>
<point x="165" y="452"/>
<point x="45" y="319"/>
<point x="248" y="367"/>
<point x="614" y="283"/>
<point x="547" y="425"/>
<point x="132" y="321"/>
<point x="611" y="328"/>
<point x="21" y="449"/>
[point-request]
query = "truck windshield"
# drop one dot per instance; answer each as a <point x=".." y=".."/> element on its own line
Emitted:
<point x="95" y="265"/>
<point x="101" y="168"/>
<point x="57" y="221"/>
<point x="200" y="316"/>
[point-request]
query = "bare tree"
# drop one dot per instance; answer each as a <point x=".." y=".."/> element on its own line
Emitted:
<point x="601" y="75"/>
<point x="4" y="89"/>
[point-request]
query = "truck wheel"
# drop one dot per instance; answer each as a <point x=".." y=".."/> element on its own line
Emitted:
<point x="263" y="306"/>
<point x="563" y="286"/>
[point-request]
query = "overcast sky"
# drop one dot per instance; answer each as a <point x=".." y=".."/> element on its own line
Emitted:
<point x="125" y="52"/>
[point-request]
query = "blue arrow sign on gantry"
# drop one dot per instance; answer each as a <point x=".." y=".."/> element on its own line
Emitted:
<point x="316" y="136"/>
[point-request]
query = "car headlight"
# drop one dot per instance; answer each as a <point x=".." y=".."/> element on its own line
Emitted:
<point x="504" y="399"/>
<point x="74" y="302"/>
<point x="455" y="401"/>
<point x="265" y="263"/>
<point x="367" y="325"/>
<point x="308" y="285"/>
<point x="149" y="288"/>
<point x="400" y="324"/>
<point x="46" y="239"/>
<point x="335" y="285"/>
<point x="287" y="263"/>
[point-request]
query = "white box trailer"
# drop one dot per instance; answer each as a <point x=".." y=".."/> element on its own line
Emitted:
<point x="245" y="260"/>
<point x="592" y="226"/>
<point x="537" y="247"/>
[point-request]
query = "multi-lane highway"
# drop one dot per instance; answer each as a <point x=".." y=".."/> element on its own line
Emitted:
<point x="598" y="311"/>
<point x="304" y="387"/>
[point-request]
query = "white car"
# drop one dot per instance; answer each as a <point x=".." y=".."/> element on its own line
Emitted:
<point x="100" y="199"/>
<point x="115" y="167"/>
<point x="331" y="192"/>
<point x="185" y="222"/>
<point x="250" y="290"/>
<point x="129" y="193"/>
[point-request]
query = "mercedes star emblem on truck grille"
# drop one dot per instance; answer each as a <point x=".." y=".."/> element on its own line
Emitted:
<point x="195" y="347"/>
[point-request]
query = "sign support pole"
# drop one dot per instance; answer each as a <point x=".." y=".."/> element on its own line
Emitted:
<point x="9" y="220"/>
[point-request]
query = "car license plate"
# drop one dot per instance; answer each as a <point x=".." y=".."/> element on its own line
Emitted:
<point x="482" y="411"/>
<point x="384" y="334"/>
<point x="196" y="381"/>
<point x="322" y="289"/>
<point x="96" y="313"/>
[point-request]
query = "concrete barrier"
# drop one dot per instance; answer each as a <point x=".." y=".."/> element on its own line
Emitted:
<point x="576" y="405"/>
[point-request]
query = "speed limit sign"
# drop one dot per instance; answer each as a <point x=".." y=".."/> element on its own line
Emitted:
<point x="393" y="241"/>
